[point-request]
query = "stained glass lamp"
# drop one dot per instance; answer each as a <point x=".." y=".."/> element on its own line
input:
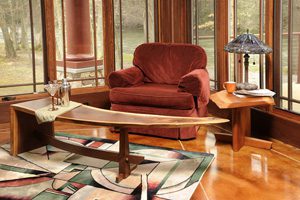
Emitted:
<point x="247" y="44"/>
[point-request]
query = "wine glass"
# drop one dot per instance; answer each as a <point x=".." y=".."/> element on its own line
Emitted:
<point x="52" y="88"/>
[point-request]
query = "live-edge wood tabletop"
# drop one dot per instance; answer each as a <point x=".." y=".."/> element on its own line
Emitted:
<point x="91" y="115"/>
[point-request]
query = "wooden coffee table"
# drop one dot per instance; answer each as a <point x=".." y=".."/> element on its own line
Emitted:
<point x="27" y="134"/>
<point x="241" y="118"/>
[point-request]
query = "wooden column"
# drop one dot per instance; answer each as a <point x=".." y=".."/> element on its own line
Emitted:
<point x="221" y="21"/>
<point x="49" y="39"/>
<point x="108" y="37"/>
<point x="174" y="21"/>
<point x="78" y="30"/>
<point x="165" y="21"/>
<point x="269" y="25"/>
<point x="181" y="20"/>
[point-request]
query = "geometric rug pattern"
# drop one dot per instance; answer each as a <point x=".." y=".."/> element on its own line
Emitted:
<point x="164" y="174"/>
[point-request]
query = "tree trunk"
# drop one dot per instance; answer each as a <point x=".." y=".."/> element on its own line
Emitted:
<point x="38" y="35"/>
<point x="13" y="24"/>
<point x="24" y="27"/>
<point x="58" y="31"/>
<point x="9" y="46"/>
<point x="24" y="39"/>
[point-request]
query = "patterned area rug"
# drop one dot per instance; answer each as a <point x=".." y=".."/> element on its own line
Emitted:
<point x="164" y="174"/>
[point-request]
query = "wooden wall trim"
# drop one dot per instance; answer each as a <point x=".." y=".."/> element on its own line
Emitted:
<point x="265" y="124"/>
<point x="221" y="24"/>
<point x="49" y="39"/>
<point x="269" y="25"/>
<point x="108" y="37"/>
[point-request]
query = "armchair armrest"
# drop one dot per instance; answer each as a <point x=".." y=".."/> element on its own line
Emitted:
<point x="126" y="77"/>
<point x="196" y="83"/>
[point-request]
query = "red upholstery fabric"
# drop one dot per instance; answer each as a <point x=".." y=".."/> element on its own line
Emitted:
<point x="167" y="63"/>
<point x="151" y="94"/>
<point x="196" y="83"/>
<point x="167" y="79"/>
<point x="126" y="77"/>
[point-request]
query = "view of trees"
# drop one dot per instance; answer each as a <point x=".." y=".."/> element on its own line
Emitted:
<point x="15" y="46"/>
<point x="15" y="25"/>
<point x="134" y="27"/>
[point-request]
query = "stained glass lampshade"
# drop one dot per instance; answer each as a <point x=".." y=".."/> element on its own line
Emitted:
<point x="247" y="44"/>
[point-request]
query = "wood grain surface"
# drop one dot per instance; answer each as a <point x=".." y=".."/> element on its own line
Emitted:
<point x="90" y="115"/>
<point x="226" y="100"/>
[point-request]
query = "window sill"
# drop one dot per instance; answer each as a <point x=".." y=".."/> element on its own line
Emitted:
<point x="75" y="91"/>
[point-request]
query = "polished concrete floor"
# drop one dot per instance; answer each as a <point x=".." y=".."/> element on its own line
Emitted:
<point x="251" y="173"/>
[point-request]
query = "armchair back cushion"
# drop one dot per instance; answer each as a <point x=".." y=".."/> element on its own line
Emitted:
<point x="180" y="59"/>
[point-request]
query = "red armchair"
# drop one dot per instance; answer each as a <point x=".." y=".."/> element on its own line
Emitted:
<point x="166" y="79"/>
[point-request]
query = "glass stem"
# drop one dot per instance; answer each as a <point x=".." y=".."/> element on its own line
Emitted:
<point x="53" y="103"/>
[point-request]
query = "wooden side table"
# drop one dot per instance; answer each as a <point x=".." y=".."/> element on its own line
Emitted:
<point x="241" y="118"/>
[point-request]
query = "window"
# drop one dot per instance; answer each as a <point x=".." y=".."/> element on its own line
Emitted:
<point x="203" y="32"/>
<point x="247" y="15"/>
<point x="134" y="25"/>
<point x="287" y="74"/>
<point x="79" y="42"/>
<point x="21" y="47"/>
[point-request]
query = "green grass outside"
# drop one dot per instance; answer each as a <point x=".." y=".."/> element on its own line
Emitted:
<point x="19" y="71"/>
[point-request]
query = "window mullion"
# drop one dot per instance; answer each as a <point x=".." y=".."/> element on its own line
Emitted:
<point x="147" y="23"/>
<point x="121" y="34"/>
<point x="290" y="49"/>
<point x="64" y="38"/>
<point x="32" y="46"/>
<point x="95" y="42"/>
<point x="261" y="36"/>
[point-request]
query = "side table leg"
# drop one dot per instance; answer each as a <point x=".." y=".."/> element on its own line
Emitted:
<point x="241" y="126"/>
<point x="124" y="165"/>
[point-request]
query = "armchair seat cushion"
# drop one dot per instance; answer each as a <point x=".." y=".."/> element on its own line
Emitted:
<point x="153" y="95"/>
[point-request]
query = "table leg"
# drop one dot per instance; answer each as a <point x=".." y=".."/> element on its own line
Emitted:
<point x="23" y="129"/>
<point x="241" y="126"/>
<point x="124" y="164"/>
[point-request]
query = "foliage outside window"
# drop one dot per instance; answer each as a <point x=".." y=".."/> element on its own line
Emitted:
<point x="134" y="25"/>
<point x="21" y="47"/>
<point x="203" y="32"/>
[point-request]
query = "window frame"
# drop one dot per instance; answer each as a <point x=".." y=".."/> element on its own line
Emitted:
<point x="34" y="83"/>
<point x="194" y="20"/>
<point x="277" y="81"/>
<point x="120" y="19"/>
